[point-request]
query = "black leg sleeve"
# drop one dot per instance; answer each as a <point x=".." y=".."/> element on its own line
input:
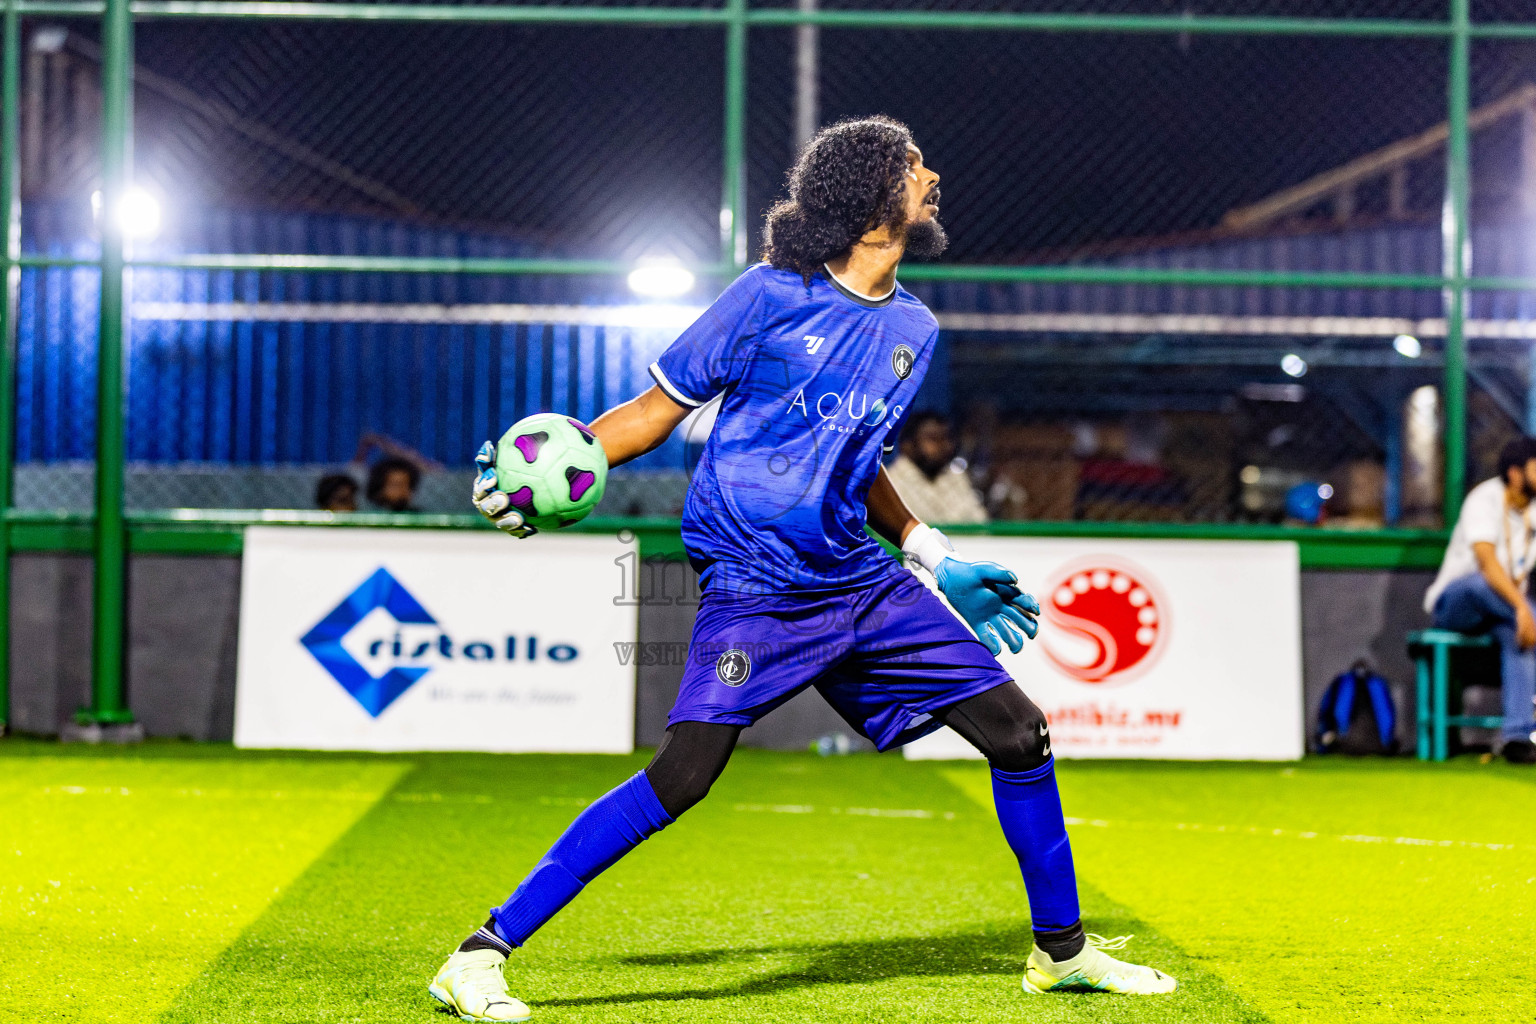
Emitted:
<point x="688" y="762"/>
<point x="1004" y="725"/>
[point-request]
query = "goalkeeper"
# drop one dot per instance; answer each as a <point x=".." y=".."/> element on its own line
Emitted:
<point x="818" y="354"/>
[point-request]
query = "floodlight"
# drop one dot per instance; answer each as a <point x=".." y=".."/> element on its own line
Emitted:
<point x="660" y="279"/>
<point x="138" y="212"/>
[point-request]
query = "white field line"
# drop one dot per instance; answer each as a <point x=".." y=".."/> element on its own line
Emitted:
<point x="1290" y="833"/>
<point x="867" y="812"/>
<point x="294" y="794"/>
<point x="1168" y="826"/>
<point x="459" y="798"/>
<point x="212" y="794"/>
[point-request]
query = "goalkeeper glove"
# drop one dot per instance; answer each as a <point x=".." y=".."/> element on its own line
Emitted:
<point x="986" y="595"/>
<point x="493" y="503"/>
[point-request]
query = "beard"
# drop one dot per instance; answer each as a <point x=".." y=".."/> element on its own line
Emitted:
<point x="926" y="238"/>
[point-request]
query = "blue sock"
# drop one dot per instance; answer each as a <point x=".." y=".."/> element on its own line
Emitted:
<point x="1029" y="809"/>
<point x="615" y="824"/>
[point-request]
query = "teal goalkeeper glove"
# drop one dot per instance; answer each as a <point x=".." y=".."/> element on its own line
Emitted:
<point x="493" y="503"/>
<point x="986" y="595"/>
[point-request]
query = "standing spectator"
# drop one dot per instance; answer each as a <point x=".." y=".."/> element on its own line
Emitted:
<point x="337" y="492"/>
<point x="929" y="478"/>
<point x="1482" y="585"/>
<point x="392" y="484"/>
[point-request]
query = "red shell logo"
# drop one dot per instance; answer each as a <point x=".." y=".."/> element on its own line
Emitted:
<point x="1108" y="620"/>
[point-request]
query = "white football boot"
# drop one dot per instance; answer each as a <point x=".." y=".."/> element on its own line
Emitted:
<point x="1094" y="970"/>
<point x="471" y="985"/>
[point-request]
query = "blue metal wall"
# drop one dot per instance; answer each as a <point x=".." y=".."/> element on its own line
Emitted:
<point x="56" y="365"/>
<point x="274" y="393"/>
<point x="267" y="393"/>
<point x="305" y="392"/>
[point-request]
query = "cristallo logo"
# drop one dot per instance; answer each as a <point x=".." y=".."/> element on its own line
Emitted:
<point x="1108" y="620"/>
<point x="379" y="641"/>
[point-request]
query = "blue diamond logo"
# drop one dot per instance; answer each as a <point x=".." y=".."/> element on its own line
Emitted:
<point x="374" y="693"/>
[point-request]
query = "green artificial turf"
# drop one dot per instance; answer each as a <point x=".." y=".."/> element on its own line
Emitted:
<point x="179" y="884"/>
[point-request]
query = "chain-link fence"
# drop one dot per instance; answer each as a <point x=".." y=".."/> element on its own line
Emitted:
<point x="1199" y="215"/>
<point x="1065" y="147"/>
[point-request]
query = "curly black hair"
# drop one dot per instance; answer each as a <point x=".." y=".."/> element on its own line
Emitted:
<point x="378" y="476"/>
<point x="850" y="178"/>
<point x="330" y="486"/>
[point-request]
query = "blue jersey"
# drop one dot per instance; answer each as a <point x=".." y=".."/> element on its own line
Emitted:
<point x="815" y="382"/>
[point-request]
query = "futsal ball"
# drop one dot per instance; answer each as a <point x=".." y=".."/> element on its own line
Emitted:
<point x="553" y="468"/>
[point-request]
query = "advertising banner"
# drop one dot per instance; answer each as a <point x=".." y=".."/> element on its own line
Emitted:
<point x="363" y="639"/>
<point x="1157" y="649"/>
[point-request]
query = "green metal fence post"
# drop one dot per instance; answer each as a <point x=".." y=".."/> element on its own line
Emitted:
<point x="107" y="667"/>
<point x="10" y="223"/>
<point x="733" y="192"/>
<point x="1455" y="241"/>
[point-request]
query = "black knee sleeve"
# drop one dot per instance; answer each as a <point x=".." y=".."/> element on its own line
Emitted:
<point x="688" y="762"/>
<point x="1005" y="726"/>
<point x="1026" y="746"/>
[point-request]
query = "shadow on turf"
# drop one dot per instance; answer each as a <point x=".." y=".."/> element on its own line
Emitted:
<point x="835" y="963"/>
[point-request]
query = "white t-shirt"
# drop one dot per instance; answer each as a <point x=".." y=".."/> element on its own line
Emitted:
<point x="947" y="498"/>
<point x="1486" y="519"/>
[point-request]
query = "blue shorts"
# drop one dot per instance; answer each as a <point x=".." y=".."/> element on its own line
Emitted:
<point x="886" y="656"/>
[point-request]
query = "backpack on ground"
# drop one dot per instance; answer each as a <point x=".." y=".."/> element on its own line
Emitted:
<point x="1357" y="715"/>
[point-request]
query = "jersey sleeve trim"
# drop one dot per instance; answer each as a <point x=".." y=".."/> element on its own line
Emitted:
<point x="671" y="389"/>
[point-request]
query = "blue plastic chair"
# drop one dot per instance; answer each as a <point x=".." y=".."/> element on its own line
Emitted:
<point x="1430" y="650"/>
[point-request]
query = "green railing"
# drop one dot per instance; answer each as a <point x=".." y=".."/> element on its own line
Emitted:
<point x="109" y="532"/>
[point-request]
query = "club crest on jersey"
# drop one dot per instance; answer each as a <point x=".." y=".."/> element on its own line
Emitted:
<point x="902" y="360"/>
<point x="733" y="667"/>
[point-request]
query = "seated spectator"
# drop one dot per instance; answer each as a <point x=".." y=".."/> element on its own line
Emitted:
<point x="929" y="478"/>
<point x="337" y="492"/>
<point x="392" y="484"/>
<point x="1482" y="585"/>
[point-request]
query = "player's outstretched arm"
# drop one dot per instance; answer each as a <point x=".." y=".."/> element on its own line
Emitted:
<point x="986" y="595"/>
<point x="640" y="425"/>
<point x="625" y="432"/>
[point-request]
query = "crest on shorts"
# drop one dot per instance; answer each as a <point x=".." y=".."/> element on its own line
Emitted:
<point x="733" y="667"/>
<point x="902" y="361"/>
